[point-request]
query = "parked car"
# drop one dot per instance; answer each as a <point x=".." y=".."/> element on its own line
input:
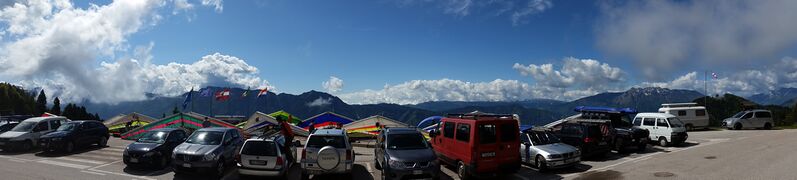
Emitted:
<point x="592" y="139"/>
<point x="26" y="135"/>
<point x="750" y="119"/>
<point x="624" y="134"/>
<point x="478" y="144"/>
<point x="75" y="134"/>
<point x="263" y="156"/>
<point x="327" y="151"/>
<point x="404" y="153"/>
<point x="545" y="151"/>
<point x="692" y="115"/>
<point x="665" y="128"/>
<point x="207" y="150"/>
<point x="5" y="127"/>
<point x="154" y="148"/>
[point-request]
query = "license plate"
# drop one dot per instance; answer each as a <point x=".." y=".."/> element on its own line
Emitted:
<point x="416" y="172"/>
<point x="257" y="162"/>
<point x="186" y="165"/>
<point x="134" y="160"/>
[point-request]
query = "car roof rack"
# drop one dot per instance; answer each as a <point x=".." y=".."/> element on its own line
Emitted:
<point x="475" y="115"/>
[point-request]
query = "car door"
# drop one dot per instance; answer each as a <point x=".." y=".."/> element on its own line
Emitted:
<point x="228" y="145"/>
<point x="445" y="140"/>
<point x="747" y="120"/>
<point x="760" y="118"/>
<point x="525" y="147"/>
<point x="462" y="139"/>
<point x="663" y="128"/>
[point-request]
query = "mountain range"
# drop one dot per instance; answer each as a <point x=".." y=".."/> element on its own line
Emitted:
<point x="782" y="96"/>
<point x="308" y="104"/>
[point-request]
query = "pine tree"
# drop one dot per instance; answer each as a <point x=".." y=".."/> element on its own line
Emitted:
<point x="41" y="103"/>
<point x="56" y="107"/>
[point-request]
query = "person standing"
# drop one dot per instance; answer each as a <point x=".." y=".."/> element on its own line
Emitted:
<point x="287" y="132"/>
<point x="206" y="123"/>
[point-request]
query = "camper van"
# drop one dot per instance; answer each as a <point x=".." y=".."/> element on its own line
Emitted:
<point x="691" y="114"/>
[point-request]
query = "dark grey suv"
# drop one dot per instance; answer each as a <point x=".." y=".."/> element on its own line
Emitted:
<point x="207" y="150"/>
<point x="404" y="153"/>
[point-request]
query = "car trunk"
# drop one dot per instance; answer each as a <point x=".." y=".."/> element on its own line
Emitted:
<point x="261" y="155"/>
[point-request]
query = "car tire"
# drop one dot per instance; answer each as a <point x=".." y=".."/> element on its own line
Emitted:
<point x="103" y="142"/>
<point x="618" y="145"/>
<point x="462" y="171"/>
<point x="642" y="146"/>
<point x="163" y="163"/>
<point x="69" y="147"/>
<point x="663" y="142"/>
<point x="220" y="167"/>
<point x="767" y="126"/>
<point x="689" y="127"/>
<point x="539" y="162"/>
<point x="737" y="126"/>
<point x="26" y="146"/>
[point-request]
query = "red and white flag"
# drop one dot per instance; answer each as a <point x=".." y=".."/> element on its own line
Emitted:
<point x="223" y="95"/>
<point x="714" y="75"/>
<point x="263" y="91"/>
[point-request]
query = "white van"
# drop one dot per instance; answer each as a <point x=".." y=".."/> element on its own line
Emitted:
<point x="665" y="128"/>
<point x="26" y="134"/>
<point x="692" y="115"/>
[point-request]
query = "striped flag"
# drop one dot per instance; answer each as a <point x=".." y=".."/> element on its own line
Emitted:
<point x="245" y="93"/>
<point x="263" y="91"/>
<point x="223" y="95"/>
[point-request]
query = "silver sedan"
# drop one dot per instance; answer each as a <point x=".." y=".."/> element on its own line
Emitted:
<point x="544" y="150"/>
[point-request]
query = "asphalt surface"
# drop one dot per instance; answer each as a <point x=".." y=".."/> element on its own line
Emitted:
<point x="746" y="154"/>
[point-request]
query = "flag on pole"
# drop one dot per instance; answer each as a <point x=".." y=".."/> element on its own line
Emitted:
<point x="245" y="93"/>
<point x="223" y="95"/>
<point x="188" y="98"/>
<point x="263" y="91"/>
<point x="714" y="75"/>
<point x="205" y="92"/>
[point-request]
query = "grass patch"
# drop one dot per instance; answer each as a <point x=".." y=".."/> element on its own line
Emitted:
<point x="793" y="126"/>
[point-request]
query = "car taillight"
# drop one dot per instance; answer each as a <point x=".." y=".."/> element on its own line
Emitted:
<point x="280" y="162"/>
<point x="304" y="153"/>
<point x="587" y="140"/>
<point x="348" y="154"/>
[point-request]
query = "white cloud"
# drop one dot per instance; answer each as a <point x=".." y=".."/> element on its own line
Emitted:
<point x="218" y="4"/>
<point x="517" y="11"/>
<point x="578" y="73"/>
<point x="320" y="102"/>
<point x="333" y="85"/>
<point x="664" y="36"/>
<point x="532" y="7"/>
<point x="182" y="5"/>
<point x="418" y="91"/>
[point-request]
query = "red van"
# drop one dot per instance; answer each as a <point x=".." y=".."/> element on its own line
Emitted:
<point x="478" y="144"/>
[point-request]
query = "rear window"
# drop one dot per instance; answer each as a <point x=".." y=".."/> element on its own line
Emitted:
<point x="487" y="133"/>
<point x="594" y="131"/>
<point x="700" y="112"/>
<point x="260" y="148"/>
<point x="682" y="113"/>
<point x="321" y="141"/>
<point x="508" y="132"/>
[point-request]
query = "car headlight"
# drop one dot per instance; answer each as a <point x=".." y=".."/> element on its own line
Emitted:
<point x="395" y="164"/>
<point x="209" y="157"/>
<point x="554" y="156"/>
<point x="149" y="154"/>
<point x="578" y="152"/>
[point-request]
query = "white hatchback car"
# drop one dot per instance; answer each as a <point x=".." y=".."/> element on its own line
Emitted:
<point x="750" y="119"/>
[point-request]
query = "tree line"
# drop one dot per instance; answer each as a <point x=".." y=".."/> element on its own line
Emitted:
<point x="15" y="100"/>
<point x="727" y="105"/>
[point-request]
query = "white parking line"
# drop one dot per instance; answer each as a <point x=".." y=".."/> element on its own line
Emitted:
<point x="57" y="163"/>
<point x="95" y="173"/>
<point x="114" y="149"/>
<point x="82" y="160"/>
<point x="105" y="153"/>
<point x="16" y="160"/>
<point x="97" y="157"/>
<point x="120" y="174"/>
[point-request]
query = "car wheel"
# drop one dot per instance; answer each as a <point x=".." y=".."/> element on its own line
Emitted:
<point x="377" y="165"/>
<point x="69" y="147"/>
<point x="641" y="146"/>
<point x="540" y="163"/>
<point x="28" y="145"/>
<point x="767" y="126"/>
<point x="737" y="126"/>
<point x="689" y="127"/>
<point x="462" y="172"/>
<point x="163" y="162"/>
<point x="220" y="168"/>
<point x="618" y="145"/>
<point x="103" y="142"/>
<point x="663" y="142"/>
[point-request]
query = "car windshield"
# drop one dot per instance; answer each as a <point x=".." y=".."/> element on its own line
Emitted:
<point x="738" y="115"/>
<point x="67" y="127"/>
<point x="153" y="137"/>
<point x="321" y="141"/>
<point x="205" y="138"/>
<point x="675" y="122"/>
<point x="25" y="126"/>
<point x="543" y="138"/>
<point x="406" y="141"/>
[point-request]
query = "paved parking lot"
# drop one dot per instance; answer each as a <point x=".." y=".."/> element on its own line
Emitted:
<point x="755" y="154"/>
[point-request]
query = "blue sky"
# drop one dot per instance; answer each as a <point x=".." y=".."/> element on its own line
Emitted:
<point x="396" y="51"/>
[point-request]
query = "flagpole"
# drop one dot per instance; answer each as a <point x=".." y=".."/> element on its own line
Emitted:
<point x="211" y="105"/>
<point x="192" y="99"/>
<point x="705" y="84"/>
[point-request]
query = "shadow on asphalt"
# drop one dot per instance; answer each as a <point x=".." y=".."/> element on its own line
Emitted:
<point x="17" y="152"/>
<point x="78" y="150"/>
<point x="358" y="172"/>
<point x="144" y="171"/>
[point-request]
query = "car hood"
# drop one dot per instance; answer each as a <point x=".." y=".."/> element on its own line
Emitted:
<point x="195" y="149"/>
<point x="412" y="155"/>
<point x="142" y="147"/>
<point x="12" y="134"/>
<point x="56" y="134"/>
<point x="556" y="148"/>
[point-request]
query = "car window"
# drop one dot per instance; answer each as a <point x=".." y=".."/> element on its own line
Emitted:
<point x="205" y="138"/>
<point x="41" y="127"/>
<point x="682" y="113"/>
<point x="524" y="138"/>
<point x="594" y="130"/>
<point x="572" y="129"/>
<point x="700" y="112"/>
<point x="675" y="122"/>
<point x="748" y="115"/>
<point x="448" y="129"/>
<point x="762" y="115"/>
<point x="486" y="134"/>
<point x="317" y="141"/>
<point x="543" y="138"/>
<point x="25" y="126"/>
<point x="406" y="141"/>
<point x="259" y="148"/>
<point x="661" y="122"/>
<point x="67" y="127"/>
<point x="463" y="132"/>
<point x="738" y="115"/>
<point x="227" y="137"/>
<point x="637" y="121"/>
<point x="649" y="122"/>
<point x="154" y="137"/>
<point x="508" y="132"/>
<point x="55" y="124"/>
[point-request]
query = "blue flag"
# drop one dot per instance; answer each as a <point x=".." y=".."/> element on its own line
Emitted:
<point x="188" y="98"/>
<point x="205" y="92"/>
